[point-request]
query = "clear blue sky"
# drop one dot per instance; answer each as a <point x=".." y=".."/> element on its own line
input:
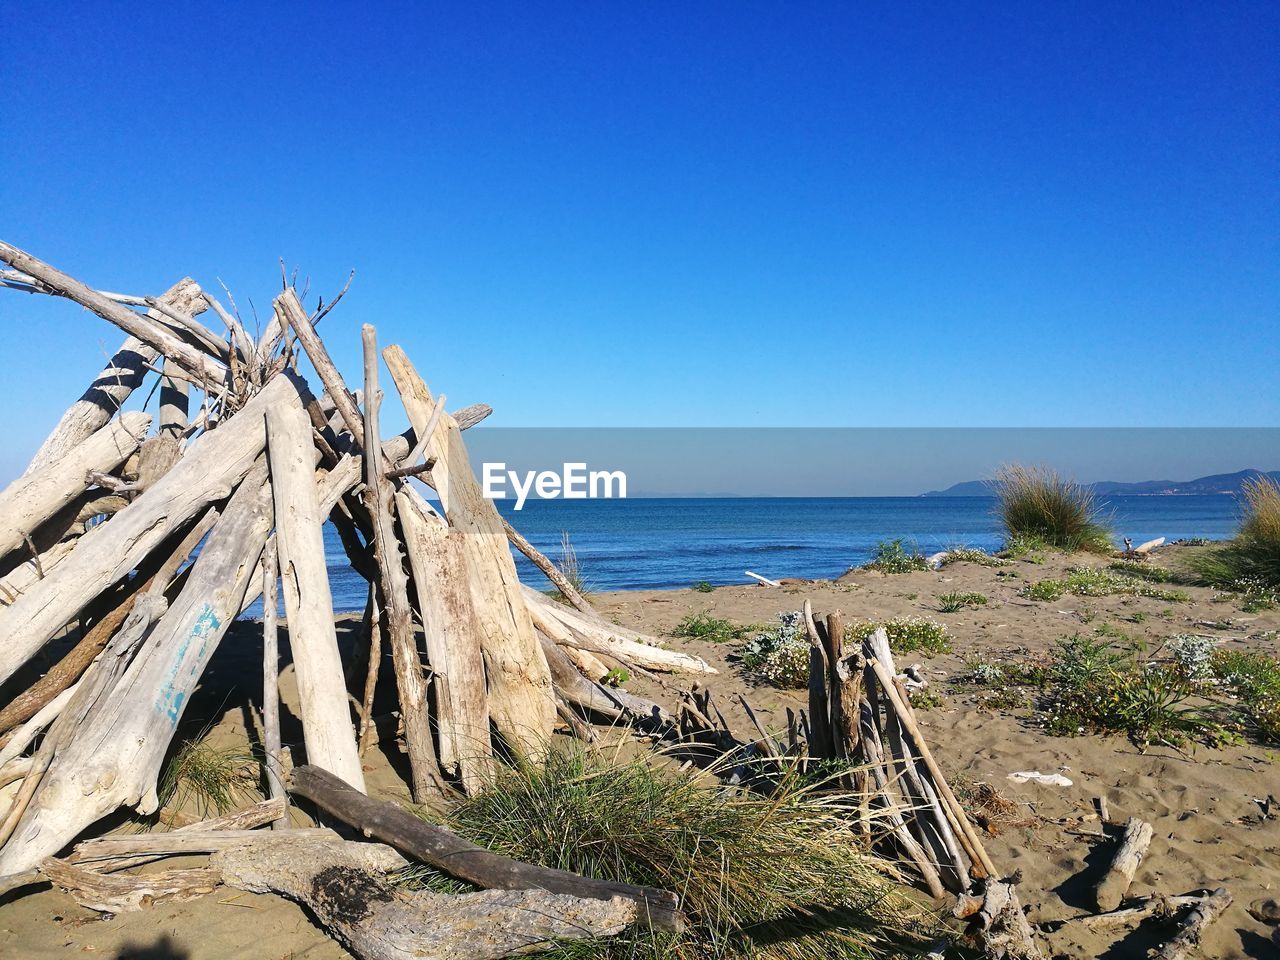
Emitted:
<point x="678" y="214"/>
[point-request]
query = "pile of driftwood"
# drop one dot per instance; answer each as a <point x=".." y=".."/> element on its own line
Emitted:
<point x="131" y="547"/>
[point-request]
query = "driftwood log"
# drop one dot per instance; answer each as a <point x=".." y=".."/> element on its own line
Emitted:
<point x="424" y="769"/>
<point x="326" y="720"/>
<point x="345" y="886"/>
<point x="34" y="497"/>
<point x="1185" y="944"/>
<point x="451" y="637"/>
<point x="1111" y="889"/>
<point x="621" y="643"/>
<point x="997" y="923"/>
<point x="521" y="703"/>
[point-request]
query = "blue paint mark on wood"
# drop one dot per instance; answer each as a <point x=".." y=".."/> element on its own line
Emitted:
<point x="206" y="628"/>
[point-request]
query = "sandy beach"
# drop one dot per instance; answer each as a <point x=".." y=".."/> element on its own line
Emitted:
<point x="1209" y="828"/>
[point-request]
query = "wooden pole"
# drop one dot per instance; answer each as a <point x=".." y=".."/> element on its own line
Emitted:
<point x="373" y="628"/>
<point x="174" y="404"/>
<point x="326" y="720"/>
<point x="343" y="402"/>
<point x="424" y="767"/>
<point x="819" y="708"/>
<point x="959" y="818"/>
<point x="271" y="679"/>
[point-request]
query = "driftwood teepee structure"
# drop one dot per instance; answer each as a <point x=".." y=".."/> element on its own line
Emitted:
<point x="143" y="541"/>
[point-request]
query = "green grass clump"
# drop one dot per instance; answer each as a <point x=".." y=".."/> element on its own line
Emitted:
<point x="703" y="626"/>
<point x="1036" y="503"/>
<point x="953" y="602"/>
<point x="1254" y="554"/>
<point x="209" y="780"/>
<point x="1096" y="582"/>
<point x="780" y="656"/>
<point x="702" y="586"/>
<point x="782" y="876"/>
<point x="892" y="557"/>
<point x="906" y="634"/>
<point x="972" y="555"/>
<point x="1100" y="687"/>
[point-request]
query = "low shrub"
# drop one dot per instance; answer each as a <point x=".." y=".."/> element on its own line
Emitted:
<point x="1254" y="680"/>
<point x="972" y="555"/>
<point x="925" y="699"/>
<point x="1254" y="594"/>
<point x="1099" y="687"/>
<point x="780" y="656"/>
<point x="1192" y="655"/>
<point x="702" y="586"/>
<point x="703" y="626"/>
<point x="906" y="634"/>
<point x="952" y="602"/>
<point x="1036" y="502"/>
<point x="1142" y="570"/>
<point x="1096" y="582"/>
<point x="892" y="557"/>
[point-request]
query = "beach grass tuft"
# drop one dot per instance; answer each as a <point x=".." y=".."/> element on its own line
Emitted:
<point x="955" y="602"/>
<point x="1253" y="557"/>
<point x="770" y="877"/>
<point x="210" y="780"/>
<point x="1038" y="505"/>
<point x="569" y="566"/>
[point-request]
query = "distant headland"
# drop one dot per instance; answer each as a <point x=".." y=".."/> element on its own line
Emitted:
<point x="1225" y="484"/>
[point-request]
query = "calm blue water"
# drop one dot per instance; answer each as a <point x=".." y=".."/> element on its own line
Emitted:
<point x="643" y="543"/>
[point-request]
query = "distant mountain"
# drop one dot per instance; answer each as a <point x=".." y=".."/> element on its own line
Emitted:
<point x="1218" y="483"/>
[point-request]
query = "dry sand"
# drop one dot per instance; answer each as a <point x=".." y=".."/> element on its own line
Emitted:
<point x="1209" y="829"/>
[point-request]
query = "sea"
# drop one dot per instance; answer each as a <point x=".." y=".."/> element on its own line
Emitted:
<point x="645" y="544"/>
